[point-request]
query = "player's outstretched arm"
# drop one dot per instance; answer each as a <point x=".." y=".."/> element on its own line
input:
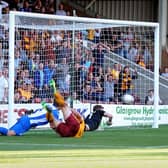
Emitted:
<point x="110" y="117"/>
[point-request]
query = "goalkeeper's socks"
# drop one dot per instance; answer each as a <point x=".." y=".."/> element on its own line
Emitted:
<point x="3" y="131"/>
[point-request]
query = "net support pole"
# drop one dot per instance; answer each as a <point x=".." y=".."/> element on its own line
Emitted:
<point x="11" y="69"/>
<point x="156" y="79"/>
<point x="72" y="65"/>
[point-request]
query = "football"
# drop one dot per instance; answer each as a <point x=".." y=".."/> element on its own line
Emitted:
<point x="127" y="99"/>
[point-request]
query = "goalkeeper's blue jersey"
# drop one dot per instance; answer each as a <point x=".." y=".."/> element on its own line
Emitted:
<point x="37" y="118"/>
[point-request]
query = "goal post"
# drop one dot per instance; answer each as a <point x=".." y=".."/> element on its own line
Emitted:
<point x="156" y="78"/>
<point x="11" y="119"/>
<point x="81" y="55"/>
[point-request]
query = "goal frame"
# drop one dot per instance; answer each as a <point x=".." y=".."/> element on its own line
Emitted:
<point x="12" y="16"/>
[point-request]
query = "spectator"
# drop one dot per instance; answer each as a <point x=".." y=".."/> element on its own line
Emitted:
<point x="129" y="34"/>
<point x="115" y="73"/>
<point x="17" y="98"/>
<point x="50" y="6"/>
<point x="125" y="48"/>
<point x="49" y="71"/>
<point x="17" y="59"/>
<point x="65" y="51"/>
<point x="49" y="50"/>
<point x="6" y="12"/>
<point x="22" y="77"/>
<point x="109" y="89"/>
<point x="61" y="10"/>
<point x="41" y="90"/>
<point x="133" y="52"/>
<point x="39" y="77"/>
<point x="97" y="35"/>
<point x="26" y="7"/>
<point x="90" y="34"/>
<point x="30" y="61"/>
<point x="87" y="92"/>
<point x="19" y="78"/>
<point x="149" y="99"/>
<point x="165" y="73"/>
<point x="107" y="71"/>
<point x="147" y="56"/>
<point x="27" y="77"/>
<point x="43" y="10"/>
<point x="36" y="61"/>
<point x="3" y="88"/>
<point x="97" y="89"/>
<point x="99" y="51"/>
<point x="115" y="43"/>
<point x="90" y="77"/>
<point x="62" y="70"/>
<point x="125" y="81"/>
<point x="25" y="91"/>
<point x="141" y="61"/>
<point x="68" y="13"/>
<point x="37" y="5"/>
<point x="85" y="65"/>
<point x="93" y="67"/>
<point x="101" y="74"/>
<point x="3" y="5"/>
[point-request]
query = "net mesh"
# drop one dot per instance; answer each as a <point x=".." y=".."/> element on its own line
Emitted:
<point x="90" y="62"/>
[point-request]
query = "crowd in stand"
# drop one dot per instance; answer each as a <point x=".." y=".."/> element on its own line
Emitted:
<point x="41" y="56"/>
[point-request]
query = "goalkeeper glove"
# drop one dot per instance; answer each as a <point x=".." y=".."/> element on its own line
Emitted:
<point x="49" y="109"/>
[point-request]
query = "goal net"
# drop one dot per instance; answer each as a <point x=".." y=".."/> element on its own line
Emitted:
<point x="91" y="60"/>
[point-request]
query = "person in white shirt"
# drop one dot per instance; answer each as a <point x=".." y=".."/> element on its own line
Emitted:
<point x="149" y="99"/>
<point x="165" y="73"/>
<point x="3" y="88"/>
<point x="61" y="10"/>
<point x="3" y="4"/>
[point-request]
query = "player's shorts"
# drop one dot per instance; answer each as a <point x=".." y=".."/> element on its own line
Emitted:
<point x="92" y="124"/>
<point x="81" y="130"/>
<point x="69" y="128"/>
<point x="21" y="126"/>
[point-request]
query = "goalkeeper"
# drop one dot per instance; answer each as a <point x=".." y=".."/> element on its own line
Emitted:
<point x="73" y="124"/>
<point x="93" y="120"/>
<point x="31" y="119"/>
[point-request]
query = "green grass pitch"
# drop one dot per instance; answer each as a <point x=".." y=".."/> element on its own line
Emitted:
<point x="111" y="148"/>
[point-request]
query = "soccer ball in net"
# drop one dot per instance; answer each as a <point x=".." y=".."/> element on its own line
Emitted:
<point x="127" y="99"/>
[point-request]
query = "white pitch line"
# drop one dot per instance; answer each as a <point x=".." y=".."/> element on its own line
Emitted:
<point x="86" y="146"/>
